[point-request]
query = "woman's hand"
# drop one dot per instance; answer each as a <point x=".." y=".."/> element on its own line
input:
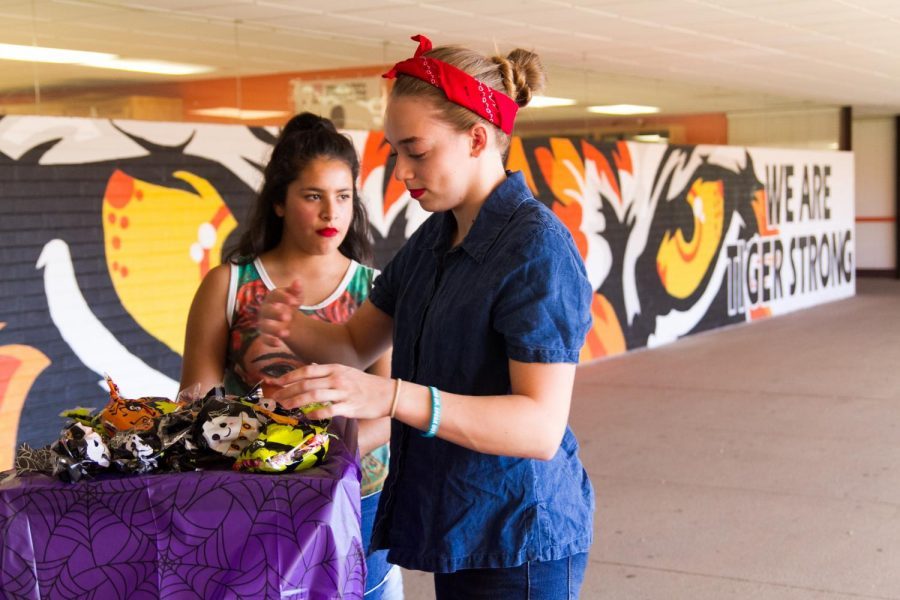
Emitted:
<point x="350" y="392"/>
<point x="277" y="312"/>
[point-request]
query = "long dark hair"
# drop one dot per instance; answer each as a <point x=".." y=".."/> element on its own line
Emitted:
<point x="303" y="139"/>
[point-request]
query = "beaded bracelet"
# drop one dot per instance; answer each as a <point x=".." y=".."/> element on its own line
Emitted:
<point x="435" y="413"/>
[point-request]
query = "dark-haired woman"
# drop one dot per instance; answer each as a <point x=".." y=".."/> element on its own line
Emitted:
<point x="308" y="224"/>
<point x="487" y="306"/>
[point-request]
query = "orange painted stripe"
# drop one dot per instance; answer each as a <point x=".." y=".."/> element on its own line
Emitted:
<point x="875" y="219"/>
<point x="220" y="216"/>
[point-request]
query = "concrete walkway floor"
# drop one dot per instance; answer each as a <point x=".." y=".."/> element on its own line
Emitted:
<point x="760" y="461"/>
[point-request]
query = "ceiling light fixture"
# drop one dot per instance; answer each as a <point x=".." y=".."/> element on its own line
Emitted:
<point x="99" y="60"/>
<point x="649" y="137"/>
<point x="50" y="55"/>
<point x="623" y="109"/>
<point x="549" y="101"/>
<point x="142" y="65"/>
<point x="230" y="112"/>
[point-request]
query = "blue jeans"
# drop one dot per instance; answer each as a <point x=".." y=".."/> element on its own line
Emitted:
<point x="378" y="585"/>
<point x="550" y="580"/>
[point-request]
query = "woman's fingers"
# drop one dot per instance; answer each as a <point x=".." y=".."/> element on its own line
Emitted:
<point x="326" y="412"/>
<point x="308" y="384"/>
<point x="291" y="295"/>
<point x="288" y="398"/>
<point x="278" y="310"/>
<point x="275" y="311"/>
<point x="351" y="392"/>
<point x="303" y="373"/>
<point x="275" y="321"/>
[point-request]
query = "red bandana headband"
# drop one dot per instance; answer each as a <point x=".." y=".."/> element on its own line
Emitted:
<point x="459" y="87"/>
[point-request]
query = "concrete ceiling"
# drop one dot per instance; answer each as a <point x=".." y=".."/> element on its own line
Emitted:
<point x="686" y="56"/>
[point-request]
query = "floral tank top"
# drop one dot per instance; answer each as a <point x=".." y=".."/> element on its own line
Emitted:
<point x="248" y="360"/>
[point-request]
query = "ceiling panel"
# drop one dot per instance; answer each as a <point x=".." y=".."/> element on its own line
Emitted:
<point x="780" y="10"/>
<point x="176" y="4"/>
<point x="494" y="7"/>
<point x="839" y="51"/>
<point x="252" y="12"/>
<point x="329" y="6"/>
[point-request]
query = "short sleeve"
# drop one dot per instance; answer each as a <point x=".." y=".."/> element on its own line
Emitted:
<point x="384" y="290"/>
<point x="386" y="287"/>
<point x="543" y="308"/>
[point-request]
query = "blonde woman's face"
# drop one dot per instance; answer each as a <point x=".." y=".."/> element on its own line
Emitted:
<point x="433" y="160"/>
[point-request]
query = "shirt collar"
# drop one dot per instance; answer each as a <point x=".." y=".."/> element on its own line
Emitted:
<point x="492" y="218"/>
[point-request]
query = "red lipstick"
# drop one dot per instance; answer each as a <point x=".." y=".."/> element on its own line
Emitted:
<point x="327" y="232"/>
<point x="417" y="193"/>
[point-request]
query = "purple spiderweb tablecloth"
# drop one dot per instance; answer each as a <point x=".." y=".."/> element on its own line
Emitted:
<point x="201" y="535"/>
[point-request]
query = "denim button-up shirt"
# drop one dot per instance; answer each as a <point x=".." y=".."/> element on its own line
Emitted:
<point x="515" y="288"/>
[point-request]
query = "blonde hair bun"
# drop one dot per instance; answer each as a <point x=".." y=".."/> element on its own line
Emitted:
<point x="522" y="74"/>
